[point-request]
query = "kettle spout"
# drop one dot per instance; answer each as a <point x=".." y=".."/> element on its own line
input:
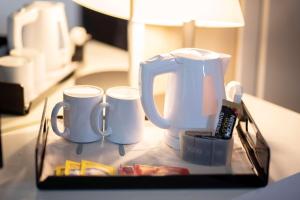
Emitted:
<point x="225" y="59"/>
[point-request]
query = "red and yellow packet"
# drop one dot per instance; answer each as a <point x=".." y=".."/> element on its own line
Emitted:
<point x="148" y="170"/>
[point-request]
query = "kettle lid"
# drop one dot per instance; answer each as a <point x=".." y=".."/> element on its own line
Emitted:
<point x="194" y="54"/>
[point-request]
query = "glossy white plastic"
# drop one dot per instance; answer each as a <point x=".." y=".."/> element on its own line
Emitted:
<point x="42" y="26"/>
<point x="194" y="92"/>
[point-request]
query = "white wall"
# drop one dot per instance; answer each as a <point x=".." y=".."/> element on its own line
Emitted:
<point x="282" y="77"/>
<point x="248" y="45"/>
<point x="269" y="51"/>
<point x="9" y="6"/>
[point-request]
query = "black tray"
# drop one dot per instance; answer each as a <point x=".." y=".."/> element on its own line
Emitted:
<point x="252" y="141"/>
<point x="1" y="156"/>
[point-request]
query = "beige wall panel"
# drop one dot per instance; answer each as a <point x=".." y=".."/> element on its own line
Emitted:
<point x="159" y="39"/>
<point x="221" y="40"/>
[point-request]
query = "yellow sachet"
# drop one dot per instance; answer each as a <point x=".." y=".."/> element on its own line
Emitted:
<point x="72" y="168"/>
<point x="60" y="170"/>
<point x="89" y="168"/>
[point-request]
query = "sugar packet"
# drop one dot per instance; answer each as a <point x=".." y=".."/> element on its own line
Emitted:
<point x="60" y="170"/>
<point x="89" y="168"/>
<point x="72" y="168"/>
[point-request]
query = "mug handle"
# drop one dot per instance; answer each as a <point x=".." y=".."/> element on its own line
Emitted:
<point x="99" y="111"/>
<point x="54" y="121"/>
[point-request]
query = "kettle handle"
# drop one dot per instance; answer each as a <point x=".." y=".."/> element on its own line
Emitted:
<point x="18" y="21"/>
<point x="147" y="75"/>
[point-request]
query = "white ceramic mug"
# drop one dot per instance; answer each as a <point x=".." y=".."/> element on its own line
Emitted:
<point x="124" y="115"/>
<point x="18" y="70"/>
<point x="82" y="120"/>
<point x="39" y="65"/>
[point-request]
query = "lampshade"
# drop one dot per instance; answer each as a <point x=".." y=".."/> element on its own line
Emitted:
<point x="186" y="13"/>
<point x="206" y="13"/>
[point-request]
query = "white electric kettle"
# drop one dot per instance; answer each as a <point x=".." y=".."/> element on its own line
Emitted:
<point x="194" y="92"/>
<point x="42" y="26"/>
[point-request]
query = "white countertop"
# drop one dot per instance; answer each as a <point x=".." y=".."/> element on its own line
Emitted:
<point x="279" y="126"/>
<point x="281" y="129"/>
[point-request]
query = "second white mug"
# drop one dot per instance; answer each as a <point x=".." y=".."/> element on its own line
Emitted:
<point x="124" y="115"/>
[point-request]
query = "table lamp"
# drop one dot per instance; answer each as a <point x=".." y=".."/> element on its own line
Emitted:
<point x="186" y="13"/>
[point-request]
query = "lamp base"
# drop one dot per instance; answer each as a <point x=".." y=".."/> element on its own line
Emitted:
<point x="189" y="29"/>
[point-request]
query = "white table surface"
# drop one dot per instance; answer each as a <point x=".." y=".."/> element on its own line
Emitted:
<point x="279" y="126"/>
